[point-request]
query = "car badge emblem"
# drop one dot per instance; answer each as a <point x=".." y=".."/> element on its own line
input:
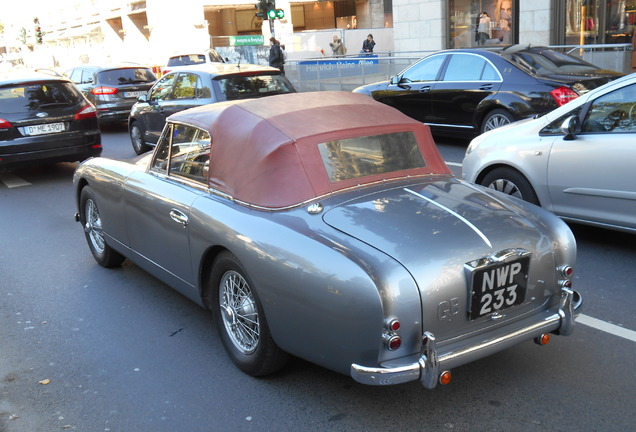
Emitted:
<point x="42" y="114"/>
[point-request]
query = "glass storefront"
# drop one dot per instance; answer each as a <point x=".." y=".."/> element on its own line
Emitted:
<point x="599" y="21"/>
<point x="475" y="23"/>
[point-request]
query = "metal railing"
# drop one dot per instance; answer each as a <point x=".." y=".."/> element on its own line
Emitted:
<point x="348" y="72"/>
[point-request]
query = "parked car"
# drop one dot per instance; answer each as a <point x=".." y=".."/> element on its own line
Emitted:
<point x="44" y="119"/>
<point x="576" y="161"/>
<point x="209" y="56"/>
<point x="112" y="89"/>
<point x="466" y="92"/>
<point x="327" y="226"/>
<point x="198" y="85"/>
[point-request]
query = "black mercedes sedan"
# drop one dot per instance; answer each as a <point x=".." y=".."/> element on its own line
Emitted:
<point x="44" y="119"/>
<point x="191" y="86"/>
<point x="465" y="92"/>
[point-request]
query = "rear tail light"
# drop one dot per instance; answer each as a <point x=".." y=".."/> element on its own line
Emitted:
<point x="104" y="90"/>
<point x="4" y="124"/>
<point x="563" y="95"/>
<point x="393" y="342"/>
<point x="86" y="112"/>
<point x="566" y="270"/>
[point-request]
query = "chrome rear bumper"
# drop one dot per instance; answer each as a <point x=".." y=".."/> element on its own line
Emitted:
<point x="430" y="364"/>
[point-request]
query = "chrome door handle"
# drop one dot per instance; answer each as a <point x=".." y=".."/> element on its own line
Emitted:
<point x="179" y="217"/>
<point x="425" y="89"/>
<point x="486" y="87"/>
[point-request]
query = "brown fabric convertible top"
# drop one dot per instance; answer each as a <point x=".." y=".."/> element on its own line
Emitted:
<point x="265" y="151"/>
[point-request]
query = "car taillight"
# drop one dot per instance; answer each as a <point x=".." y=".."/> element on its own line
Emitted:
<point x="104" y="90"/>
<point x="563" y="95"/>
<point x="4" y="124"/>
<point x="86" y="112"/>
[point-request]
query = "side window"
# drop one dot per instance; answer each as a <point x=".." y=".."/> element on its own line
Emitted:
<point x="465" y="67"/>
<point x="490" y="73"/>
<point x="187" y="86"/>
<point x="554" y="128"/>
<point x="425" y="70"/>
<point x="75" y="75"/>
<point x="87" y="77"/>
<point x="614" y="112"/>
<point x="163" y="88"/>
<point x="183" y="151"/>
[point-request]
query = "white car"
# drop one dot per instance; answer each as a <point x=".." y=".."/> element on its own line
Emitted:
<point x="190" y="58"/>
<point x="576" y="161"/>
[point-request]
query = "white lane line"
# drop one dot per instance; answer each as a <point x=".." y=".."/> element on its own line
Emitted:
<point x="456" y="164"/>
<point x="607" y="327"/>
<point x="12" y="181"/>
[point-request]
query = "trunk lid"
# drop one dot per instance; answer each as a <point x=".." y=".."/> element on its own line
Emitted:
<point x="452" y="238"/>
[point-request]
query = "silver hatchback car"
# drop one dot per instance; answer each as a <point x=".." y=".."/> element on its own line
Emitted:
<point x="576" y="161"/>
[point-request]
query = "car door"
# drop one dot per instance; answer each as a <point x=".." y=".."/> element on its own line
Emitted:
<point x="409" y="92"/>
<point x="592" y="177"/>
<point x="468" y="79"/>
<point x="151" y="112"/>
<point x="158" y="203"/>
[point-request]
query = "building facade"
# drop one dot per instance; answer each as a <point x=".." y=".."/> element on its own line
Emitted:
<point x="147" y="31"/>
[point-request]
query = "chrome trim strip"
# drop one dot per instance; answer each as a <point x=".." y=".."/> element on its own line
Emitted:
<point x="457" y="215"/>
<point x="427" y="367"/>
<point x="449" y="125"/>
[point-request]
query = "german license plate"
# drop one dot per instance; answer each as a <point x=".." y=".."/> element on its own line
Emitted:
<point x="133" y="94"/>
<point x="42" y="129"/>
<point x="498" y="286"/>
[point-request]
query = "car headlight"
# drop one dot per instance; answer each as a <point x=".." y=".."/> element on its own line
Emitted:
<point x="474" y="144"/>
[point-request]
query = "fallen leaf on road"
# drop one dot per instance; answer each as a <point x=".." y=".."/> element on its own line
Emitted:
<point x="44" y="381"/>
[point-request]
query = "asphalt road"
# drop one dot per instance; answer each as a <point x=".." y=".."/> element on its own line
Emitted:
<point x="83" y="348"/>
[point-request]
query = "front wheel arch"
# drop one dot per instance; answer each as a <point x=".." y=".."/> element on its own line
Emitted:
<point x="510" y="181"/>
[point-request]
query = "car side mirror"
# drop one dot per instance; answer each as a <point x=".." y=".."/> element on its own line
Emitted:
<point x="570" y="127"/>
<point x="142" y="98"/>
<point x="395" y="80"/>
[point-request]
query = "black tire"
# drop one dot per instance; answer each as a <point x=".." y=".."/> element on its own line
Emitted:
<point x="496" y="118"/>
<point x="510" y="182"/>
<point x="137" y="139"/>
<point x="92" y="223"/>
<point x="240" y="320"/>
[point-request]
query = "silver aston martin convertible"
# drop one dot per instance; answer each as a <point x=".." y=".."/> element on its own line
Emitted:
<point x="327" y="226"/>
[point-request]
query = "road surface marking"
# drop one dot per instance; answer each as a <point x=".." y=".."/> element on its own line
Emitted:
<point x="455" y="164"/>
<point x="607" y="327"/>
<point x="12" y="181"/>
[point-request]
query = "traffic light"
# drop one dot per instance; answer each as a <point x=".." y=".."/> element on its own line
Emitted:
<point x="266" y="9"/>
<point x="261" y="7"/>
<point x="275" y="14"/>
<point x="38" y="31"/>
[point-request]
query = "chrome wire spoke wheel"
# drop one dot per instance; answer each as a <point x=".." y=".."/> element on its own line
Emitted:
<point x="496" y="121"/>
<point x="135" y="134"/>
<point x="507" y="187"/>
<point x="239" y="312"/>
<point x="93" y="226"/>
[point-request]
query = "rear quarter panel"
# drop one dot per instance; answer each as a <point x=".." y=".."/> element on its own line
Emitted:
<point x="325" y="294"/>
